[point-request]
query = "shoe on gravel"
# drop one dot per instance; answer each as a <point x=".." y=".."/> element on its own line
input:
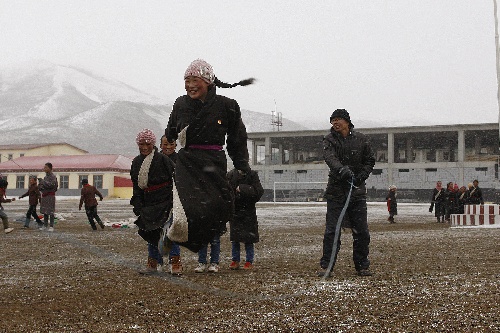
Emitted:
<point x="248" y="266"/>
<point x="234" y="265"/>
<point x="9" y="230"/>
<point x="213" y="268"/>
<point x="201" y="268"/>
<point x="364" y="272"/>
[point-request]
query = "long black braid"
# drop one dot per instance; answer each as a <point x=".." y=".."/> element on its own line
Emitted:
<point x="245" y="82"/>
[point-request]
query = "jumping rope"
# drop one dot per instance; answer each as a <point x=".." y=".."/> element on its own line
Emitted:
<point x="337" y="233"/>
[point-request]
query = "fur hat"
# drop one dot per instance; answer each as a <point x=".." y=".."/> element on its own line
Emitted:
<point x="392" y="187"/>
<point x="342" y="113"/>
<point x="146" y="135"/>
<point x="202" y="69"/>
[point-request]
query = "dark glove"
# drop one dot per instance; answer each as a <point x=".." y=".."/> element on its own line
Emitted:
<point x="345" y="173"/>
<point x="430" y="209"/>
<point x="360" y="178"/>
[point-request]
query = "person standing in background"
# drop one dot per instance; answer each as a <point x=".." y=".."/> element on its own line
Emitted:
<point x="48" y="187"/>
<point x="438" y="202"/>
<point x="392" y="204"/>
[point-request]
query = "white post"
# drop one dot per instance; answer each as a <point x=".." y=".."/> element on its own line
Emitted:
<point x="497" y="58"/>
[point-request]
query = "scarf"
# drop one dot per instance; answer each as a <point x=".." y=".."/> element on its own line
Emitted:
<point x="144" y="171"/>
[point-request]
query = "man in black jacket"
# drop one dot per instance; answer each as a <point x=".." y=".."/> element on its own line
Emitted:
<point x="350" y="158"/>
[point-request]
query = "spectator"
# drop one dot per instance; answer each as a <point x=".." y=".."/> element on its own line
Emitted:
<point x="476" y="195"/>
<point x="392" y="204"/>
<point x="438" y="202"/>
<point x="244" y="227"/>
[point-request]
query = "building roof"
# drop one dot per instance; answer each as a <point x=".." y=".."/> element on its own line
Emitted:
<point x="36" y="145"/>
<point x="68" y="163"/>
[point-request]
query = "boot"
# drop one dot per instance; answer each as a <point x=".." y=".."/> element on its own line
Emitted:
<point x="26" y="223"/>
<point x="151" y="267"/>
<point x="101" y="224"/>
<point x="176" y="265"/>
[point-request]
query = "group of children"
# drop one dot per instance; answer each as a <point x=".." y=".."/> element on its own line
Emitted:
<point x="444" y="201"/>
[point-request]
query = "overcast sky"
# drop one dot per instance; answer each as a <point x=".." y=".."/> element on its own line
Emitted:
<point x="428" y="60"/>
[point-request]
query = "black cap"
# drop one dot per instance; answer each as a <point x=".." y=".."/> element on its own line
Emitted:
<point x="342" y="113"/>
<point x="85" y="181"/>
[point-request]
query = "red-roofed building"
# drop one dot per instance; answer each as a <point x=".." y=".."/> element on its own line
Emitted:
<point x="101" y="171"/>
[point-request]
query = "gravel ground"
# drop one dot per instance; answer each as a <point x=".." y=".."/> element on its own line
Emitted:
<point x="428" y="278"/>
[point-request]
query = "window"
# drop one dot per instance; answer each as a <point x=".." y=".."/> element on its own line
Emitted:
<point x="64" y="181"/>
<point x="278" y="171"/>
<point x="80" y="178"/>
<point x="482" y="169"/>
<point x="404" y="170"/>
<point x="97" y="181"/>
<point x="20" y="182"/>
<point x="301" y="171"/>
<point x="431" y="170"/>
<point x="376" y="172"/>
<point x="10" y="156"/>
<point x="21" y="155"/>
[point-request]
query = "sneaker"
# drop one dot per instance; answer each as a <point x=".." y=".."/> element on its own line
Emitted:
<point x="234" y="265"/>
<point x="41" y="228"/>
<point x="51" y="229"/>
<point x="159" y="268"/>
<point x="26" y="227"/>
<point x="248" y="266"/>
<point x="9" y="230"/>
<point x="201" y="268"/>
<point x="213" y="268"/>
<point x="364" y="272"/>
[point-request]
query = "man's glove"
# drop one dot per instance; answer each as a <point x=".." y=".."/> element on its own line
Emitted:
<point x="345" y="173"/>
<point x="360" y="178"/>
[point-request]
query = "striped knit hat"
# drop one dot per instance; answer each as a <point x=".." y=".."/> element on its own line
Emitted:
<point x="202" y="69"/>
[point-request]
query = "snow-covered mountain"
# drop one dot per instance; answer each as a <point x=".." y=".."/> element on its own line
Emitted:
<point x="42" y="102"/>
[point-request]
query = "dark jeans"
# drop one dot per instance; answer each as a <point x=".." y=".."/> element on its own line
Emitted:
<point x="357" y="214"/>
<point x="91" y="215"/>
<point x="32" y="213"/>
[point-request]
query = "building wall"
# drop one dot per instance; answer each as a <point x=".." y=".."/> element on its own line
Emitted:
<point x="74" y="187"/>
<point x="55" y="149"/>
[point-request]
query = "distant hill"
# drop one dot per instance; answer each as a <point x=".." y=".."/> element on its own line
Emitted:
<point x="43" y="102"/>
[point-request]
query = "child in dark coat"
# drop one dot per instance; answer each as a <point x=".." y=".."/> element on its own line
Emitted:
<point x="244" y="226"/>
<point x="88" y="195"/>
<point x="392" y="204"/>
<point x="34" y="196"/>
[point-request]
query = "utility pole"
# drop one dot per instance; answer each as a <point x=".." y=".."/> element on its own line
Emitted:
<point x="497" y="62"/>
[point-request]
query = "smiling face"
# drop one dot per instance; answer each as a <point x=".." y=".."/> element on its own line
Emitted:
<point x="167" y="148"/>
<point x="145" y="147"/>
<point x="196" y="88"/>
